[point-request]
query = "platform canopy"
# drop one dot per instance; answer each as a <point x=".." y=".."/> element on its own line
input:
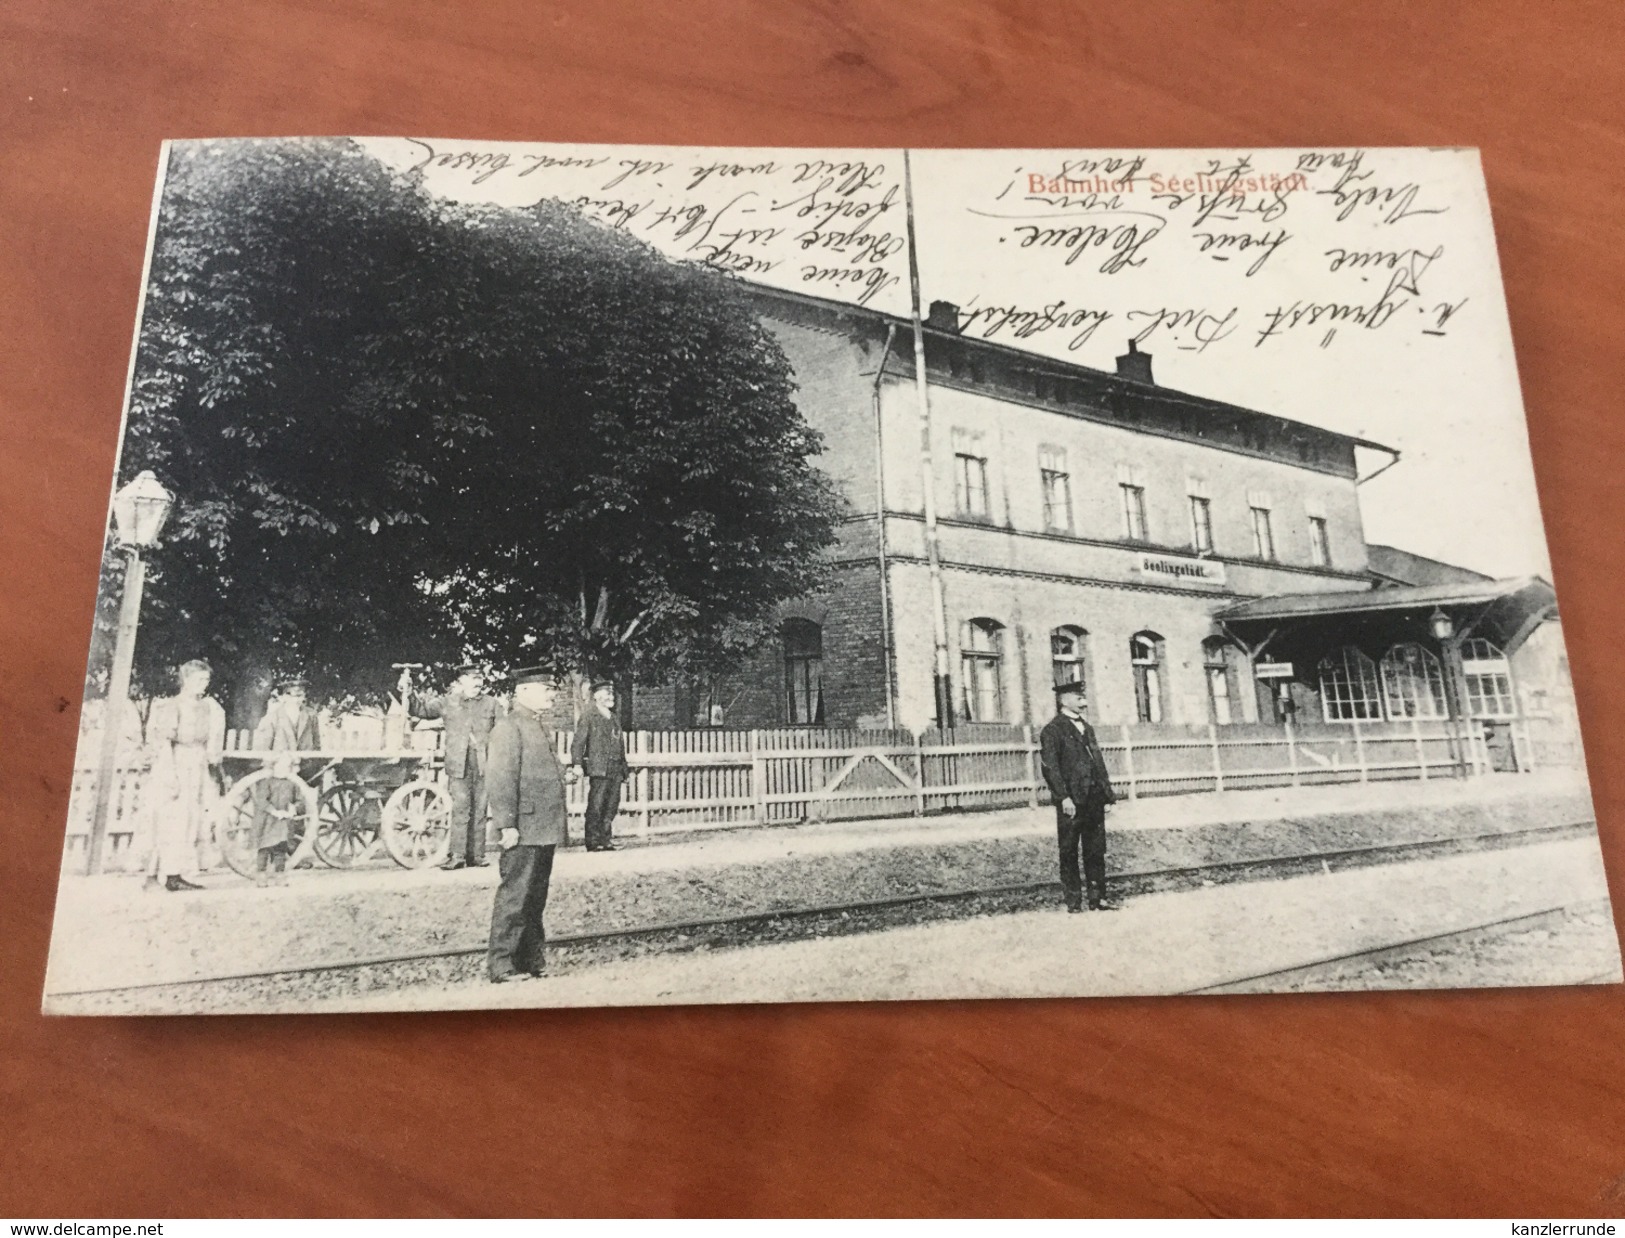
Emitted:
<point x="1504" y="611"/>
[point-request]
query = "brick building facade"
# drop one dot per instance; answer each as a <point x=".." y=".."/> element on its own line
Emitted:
<point x="1091" y="525"/>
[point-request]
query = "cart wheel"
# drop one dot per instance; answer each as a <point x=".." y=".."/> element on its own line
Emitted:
<point x="234" y="822"/>
<point x="417" y="825"/>
<point x="347" y="825"/>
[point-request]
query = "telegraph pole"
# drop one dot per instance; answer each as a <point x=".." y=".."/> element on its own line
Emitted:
<point x="928" y="481"/>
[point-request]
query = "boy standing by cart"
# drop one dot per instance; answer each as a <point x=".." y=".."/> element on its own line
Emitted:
<point x="278" y="799"/>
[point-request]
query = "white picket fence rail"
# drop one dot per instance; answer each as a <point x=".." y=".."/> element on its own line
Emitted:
<point x="711" y="779"/>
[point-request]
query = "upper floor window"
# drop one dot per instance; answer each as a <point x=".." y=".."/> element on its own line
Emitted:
<point x="1145" y="657"/>
<point x="981" y="670"/>
<point x="1263" y="533"/>
<point x="1133" y="512"/>
<point x="970" y="484"/>
<point x="1201" y="524"/>
<point x="1056" y="483"/>
<point x="1131" y="486"/>
<point x="970" y="474"/>
<point x="1320" y="542"/>
<point x="803" y="672"/>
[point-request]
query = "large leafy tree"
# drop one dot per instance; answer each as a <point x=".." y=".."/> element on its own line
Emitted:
<point x="401" y="430"/>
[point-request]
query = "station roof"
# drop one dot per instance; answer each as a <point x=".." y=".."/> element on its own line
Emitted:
<point x="1531" y="591"/>
<point x="1007" y="372"/>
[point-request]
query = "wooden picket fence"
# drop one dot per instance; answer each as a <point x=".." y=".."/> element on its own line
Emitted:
<point x="716" y="779"/>
<point x="689" y="780"/>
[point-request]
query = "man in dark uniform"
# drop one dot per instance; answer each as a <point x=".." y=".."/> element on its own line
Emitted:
<point x="525" y="785"/>
<point x="1078" y="783"/>
<point x="468" y="715"/>
<point x="600" y="750"/>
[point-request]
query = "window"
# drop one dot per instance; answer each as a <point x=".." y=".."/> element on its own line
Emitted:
<point x="1133" y="512"/>
<point x="1145" y="656"/>
<point x="1413" y="683"/>
<point x="700" y="703"/>
<point x="1057" y="486"/>
<point x="1216" y="668"/>
<point x="1349" y="691"/>
<point x="1320" y="542"/>
<point x="1488" y="680"/>
<point x="981" y="652"/>
<point x="1201" y="524"/>
<point x="803" y="673"/>
<point x="970" y="475"/>
<point x="1066" y="655"/>
<point x="1263" y="534"/>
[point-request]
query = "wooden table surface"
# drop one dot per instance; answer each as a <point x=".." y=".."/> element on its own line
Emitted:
<point x="1455" y="1103"/>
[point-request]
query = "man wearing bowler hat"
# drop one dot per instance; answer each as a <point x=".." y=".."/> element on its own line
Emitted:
<point x="468" y="716"/>
<point x="600" y="750"/>
<point x="525" y="787"/>
<point x="1081" y="788"/>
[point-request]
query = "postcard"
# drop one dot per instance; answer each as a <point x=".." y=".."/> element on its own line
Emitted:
<point x="557" y="575"/>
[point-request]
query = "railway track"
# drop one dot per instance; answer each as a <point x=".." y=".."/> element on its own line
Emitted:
<point x="1335" y="965"/>
<point x="571" y="952"/>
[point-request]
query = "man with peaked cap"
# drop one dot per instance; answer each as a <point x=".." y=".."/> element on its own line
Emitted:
<point x="525" y="786"/>
<point x="599" y="749"/>
<point x="468" y="716"/>
<point x="289" y="724"/>
<point x="1081" y="788"/>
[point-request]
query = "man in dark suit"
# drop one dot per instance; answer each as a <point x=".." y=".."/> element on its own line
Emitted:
<point x="289" y="725"/>
<point x="468" y="715"/>
<point x="525" y="785"/>
<point x="599" y="749"/>
<point x="1081" y="788"/>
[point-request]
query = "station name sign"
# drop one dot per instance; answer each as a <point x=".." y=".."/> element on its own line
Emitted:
<point x="1272" y="670"/>
<point x="1180" y="570"/>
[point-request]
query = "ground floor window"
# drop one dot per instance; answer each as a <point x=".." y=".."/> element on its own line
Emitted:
<point x="1349" y="687"/>
<point x="700" y="703"/>
<point x="1066" y="655"/>
<point x="1487" y="676"/>
<point x="1145" y="657"/>
<point x="803" y="673"/>
<point x="1221" y="703"/>
<point x="1413" y="683"/>
<point x="981" y="671"/>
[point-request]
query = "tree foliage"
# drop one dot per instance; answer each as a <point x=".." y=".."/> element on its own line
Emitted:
<point x="404" y="430"/>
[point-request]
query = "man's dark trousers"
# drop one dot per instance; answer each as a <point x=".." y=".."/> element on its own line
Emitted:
<point x="1083" y="835"/>
<point x="603" y="802"/>
<point x="467" y="817"/>
<point x="517" y="936"/>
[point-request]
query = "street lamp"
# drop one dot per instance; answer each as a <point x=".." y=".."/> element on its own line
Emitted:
<point x="1441" y="625"/>
<point x="139" y="512"/>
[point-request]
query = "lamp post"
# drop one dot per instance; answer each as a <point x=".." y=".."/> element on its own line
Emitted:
<point x="1443" y="629"/>
<point x="139" y="512"/>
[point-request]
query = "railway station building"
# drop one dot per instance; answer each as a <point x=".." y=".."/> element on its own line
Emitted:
<point x="1192" y="562"/>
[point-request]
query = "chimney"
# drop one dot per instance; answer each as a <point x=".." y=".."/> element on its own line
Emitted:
<point x="1132" y="364"/>
<point x="944" y="316"/>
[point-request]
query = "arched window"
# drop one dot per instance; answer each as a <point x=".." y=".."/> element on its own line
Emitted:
<point x="1066" y="654"/>
<point x="803" y="672"/>
<point x="1145" y="656"/>
<point x="1349" y="691"/>
<point x="1488" y="679"/>
<point x="1413" y="683"/>
<point x="1220" y="687"/>
<point x="981" y="654"/>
